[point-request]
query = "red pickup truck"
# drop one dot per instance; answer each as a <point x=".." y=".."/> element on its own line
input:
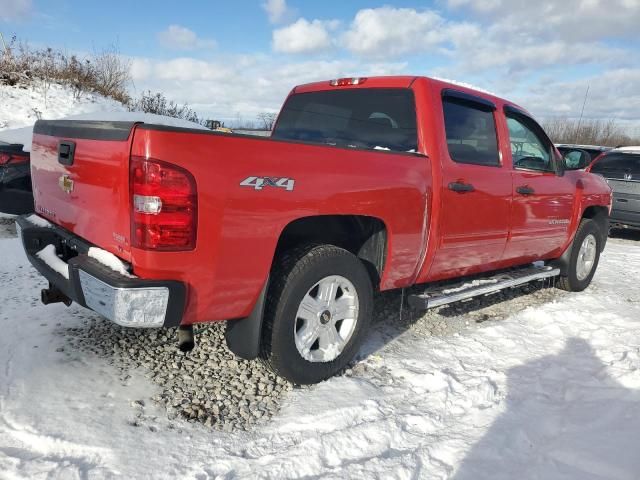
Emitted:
<point x="365" y="184"/>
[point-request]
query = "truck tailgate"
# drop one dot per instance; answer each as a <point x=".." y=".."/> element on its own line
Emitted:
<point x="80" y="174"/>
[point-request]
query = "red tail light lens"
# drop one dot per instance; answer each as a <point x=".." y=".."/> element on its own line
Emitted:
<point x="13" y="159"/>
<point x="164" y="206"/>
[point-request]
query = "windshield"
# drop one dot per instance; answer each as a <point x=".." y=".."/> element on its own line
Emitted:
<point x="381" y="118"/>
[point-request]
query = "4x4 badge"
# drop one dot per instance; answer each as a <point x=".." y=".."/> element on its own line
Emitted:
<point x="66" y="184"/>
<point x="258" y="183"/>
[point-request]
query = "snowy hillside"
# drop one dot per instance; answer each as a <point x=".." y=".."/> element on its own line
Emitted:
<point x="21" y="107"/>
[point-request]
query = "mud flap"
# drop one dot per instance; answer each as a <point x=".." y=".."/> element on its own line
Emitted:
<point x="243" y="335"/>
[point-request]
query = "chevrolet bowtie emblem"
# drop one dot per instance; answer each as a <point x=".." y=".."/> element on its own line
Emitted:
<point x="66" y="184"/>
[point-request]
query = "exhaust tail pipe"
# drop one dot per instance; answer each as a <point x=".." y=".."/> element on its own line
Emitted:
<point x="53" y="295"/>
<point x="186" y="340"/>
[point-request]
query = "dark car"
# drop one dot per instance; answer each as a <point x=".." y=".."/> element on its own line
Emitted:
<point x="621" y="168"/>
<point x="16" y="195"/>
<point x="594" y="151"/>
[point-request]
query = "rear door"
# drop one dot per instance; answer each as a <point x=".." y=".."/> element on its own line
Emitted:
<point x="476" y="189"/>
<point x="542" y="199"/>
<point x="622" y="172"/>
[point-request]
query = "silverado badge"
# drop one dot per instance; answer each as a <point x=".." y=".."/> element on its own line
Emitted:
<point x="66" y="184"/>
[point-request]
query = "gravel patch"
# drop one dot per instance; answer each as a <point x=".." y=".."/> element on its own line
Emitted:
<point x="208" y="385"/>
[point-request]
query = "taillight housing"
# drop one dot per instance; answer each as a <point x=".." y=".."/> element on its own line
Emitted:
<point x="164" y="206"/>
<point x="13" y="158"/>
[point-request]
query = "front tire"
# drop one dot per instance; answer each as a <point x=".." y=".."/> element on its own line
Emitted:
<point x="584" y="258"/>
<point x="318" y="310"/>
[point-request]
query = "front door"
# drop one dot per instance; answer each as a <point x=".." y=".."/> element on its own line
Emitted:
<point x="476" y="191"/>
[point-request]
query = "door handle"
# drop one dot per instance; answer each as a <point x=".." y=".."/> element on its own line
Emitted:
<point x="525" y="190"/>
<point x="461" y="187"/>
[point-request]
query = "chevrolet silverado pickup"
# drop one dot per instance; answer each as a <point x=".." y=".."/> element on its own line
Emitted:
<point x="365" y="185"/>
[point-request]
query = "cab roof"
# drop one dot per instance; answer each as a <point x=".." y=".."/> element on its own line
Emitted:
<point x="401" y="81"/>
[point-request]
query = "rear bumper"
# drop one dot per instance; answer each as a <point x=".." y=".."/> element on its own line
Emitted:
<point x="127" y="301"/>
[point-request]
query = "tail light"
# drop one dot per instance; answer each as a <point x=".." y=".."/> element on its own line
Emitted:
<point x="13" y="158"/>
<point x="164" y="206"/>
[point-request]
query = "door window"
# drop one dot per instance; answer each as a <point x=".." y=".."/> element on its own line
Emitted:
<point x="530" y="151"/>
<point x="471" y="132"/>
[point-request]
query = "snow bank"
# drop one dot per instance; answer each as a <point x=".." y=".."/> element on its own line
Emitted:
<point x="21" y="107"/>
<point x="18" y="108"/>
<point x="48" y="255"/>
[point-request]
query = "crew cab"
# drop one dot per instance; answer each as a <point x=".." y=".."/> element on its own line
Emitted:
<point x="366" y="184"/>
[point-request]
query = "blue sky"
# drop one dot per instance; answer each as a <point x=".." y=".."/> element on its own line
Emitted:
<point x="233" y="59"/>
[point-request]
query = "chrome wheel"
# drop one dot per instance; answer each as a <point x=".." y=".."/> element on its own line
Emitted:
<point x="586" y="257"/>
<point x="326" y="319"/>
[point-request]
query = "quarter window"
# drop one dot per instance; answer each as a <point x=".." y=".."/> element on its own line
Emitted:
<point x="528" y="149"/>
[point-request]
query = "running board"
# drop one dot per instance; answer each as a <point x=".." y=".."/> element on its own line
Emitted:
<point x="444" y="294"/>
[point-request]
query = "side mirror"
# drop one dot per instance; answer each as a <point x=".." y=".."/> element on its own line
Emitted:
<point x="576" y="159"/>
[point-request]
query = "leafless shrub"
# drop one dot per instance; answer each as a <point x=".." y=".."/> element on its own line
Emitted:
<point x="105" y="72"/>
<point x="112" y="74"/>
<point x="587" y="132"/>
<point x="158" y="104"/>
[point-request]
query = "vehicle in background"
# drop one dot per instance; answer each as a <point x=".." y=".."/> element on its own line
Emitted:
<point x="621" y="168"/>
<point x="16" y="196"/>
<point x="572" y="159"/>
<point x="366" y="184"/>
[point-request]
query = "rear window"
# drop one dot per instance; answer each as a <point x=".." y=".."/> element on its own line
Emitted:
<point x="618" y="166"/>
<point x="471" y="132"/>
<point x="381" y="118"/>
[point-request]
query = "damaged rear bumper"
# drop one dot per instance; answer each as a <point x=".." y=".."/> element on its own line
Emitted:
<point x="126" y="300"/>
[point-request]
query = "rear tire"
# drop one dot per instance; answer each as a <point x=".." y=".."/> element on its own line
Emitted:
<point x="318" y="310"/>
<point x="584" y="258"/>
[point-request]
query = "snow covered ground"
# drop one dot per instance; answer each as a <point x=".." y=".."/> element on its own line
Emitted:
<point x="548" y="390"/>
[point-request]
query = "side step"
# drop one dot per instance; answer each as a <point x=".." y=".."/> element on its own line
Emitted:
<point x="444" y="294"/>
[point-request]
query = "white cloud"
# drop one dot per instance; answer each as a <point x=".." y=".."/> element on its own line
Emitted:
<point x="387" y="31"/>
<point x="11" y="10"/>
<point x="566" y="19"/>
<point x="177" y="37"/>
<point x="612" y="94"/>
<point x="277" y="10"/>
<point x="303" y="36"/>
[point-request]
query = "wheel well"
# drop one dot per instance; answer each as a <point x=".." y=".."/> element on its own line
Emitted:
<point x="365" y="237"/>
<point x="600" y="215"/>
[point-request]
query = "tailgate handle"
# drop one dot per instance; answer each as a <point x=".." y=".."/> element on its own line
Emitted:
<point x="66" y="152"/>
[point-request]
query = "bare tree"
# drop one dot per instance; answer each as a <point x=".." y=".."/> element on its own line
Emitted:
<point x="267" y="120"/>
